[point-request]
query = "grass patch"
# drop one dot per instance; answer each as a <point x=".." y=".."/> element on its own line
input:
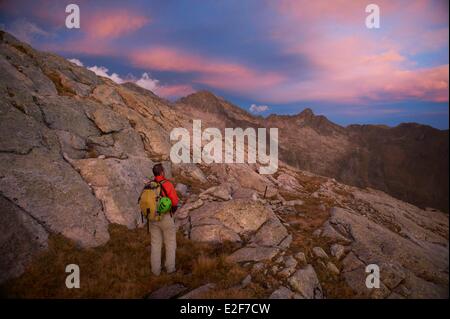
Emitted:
<point x="121" y="268"/>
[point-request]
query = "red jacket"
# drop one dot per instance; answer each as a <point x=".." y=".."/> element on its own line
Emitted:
<point x="169" y="190"/>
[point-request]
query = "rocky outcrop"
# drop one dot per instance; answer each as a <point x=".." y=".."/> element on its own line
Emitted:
<point x="198" y="292"/>
<point x="167" y="292"/>
<point x="305" y="282"/>
<point x="284" y="293"/>
<point x="117" y="184"/>
<point x="76" y="150"/>
<point x="409" y="245"/>
<point x="25" y="238"/>
<point x="237" y="221"/>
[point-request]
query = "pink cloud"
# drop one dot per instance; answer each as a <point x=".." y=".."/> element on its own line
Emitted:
<point x="347" y="62"/>
<point x="169" y="59"/>
<point x="252" y="83"/>
<point x="355" y="65"/>
<point x="413" y="14"/>
<point x="306" y="11"/>
<point x="114" y="23"/>
<point x="99" y="28"/>
<point x="427" y="84"/>
<point x="211" y="71"/>
<point x="174" y="91"/>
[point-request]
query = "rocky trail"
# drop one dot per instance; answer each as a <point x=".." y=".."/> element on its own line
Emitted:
<point x="314" y="232"/>
<point x="76" y="150"/>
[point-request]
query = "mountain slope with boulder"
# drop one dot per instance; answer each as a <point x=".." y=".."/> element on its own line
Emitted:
<point x="76" y="150"/>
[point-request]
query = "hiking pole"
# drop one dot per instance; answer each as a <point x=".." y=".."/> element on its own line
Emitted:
<point x="265" y="191"/>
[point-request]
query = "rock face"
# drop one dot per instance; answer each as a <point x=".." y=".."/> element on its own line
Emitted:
<point x="320" y="253"/>
<point x="282" y="293"/>
<point x="117" y="184"/>
<point x="75" y="149"/>
<point x="305" y="282"/>
<point x="198" y="292"/>
<point x="167" y="292"/>
<point x="411" y="249"/>
<point x="24" y="235"/>
<point x="337" y="251"/>
<point x="251" y="224"/>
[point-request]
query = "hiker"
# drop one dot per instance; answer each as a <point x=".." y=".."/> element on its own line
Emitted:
<point x="158" y="202"/>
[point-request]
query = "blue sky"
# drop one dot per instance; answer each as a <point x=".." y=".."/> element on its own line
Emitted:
<point x="281" y="56"/>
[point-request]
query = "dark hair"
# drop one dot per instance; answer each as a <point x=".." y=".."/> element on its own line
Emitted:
<point x="158" y="170"/>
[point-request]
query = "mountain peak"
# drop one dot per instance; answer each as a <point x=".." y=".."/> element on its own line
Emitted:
<point x="202" y="95"/>
<point x="203" y="101"/>
<point x="306" y="113"/>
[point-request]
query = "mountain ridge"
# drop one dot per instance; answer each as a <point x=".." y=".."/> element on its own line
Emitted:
<point x="356" y="155"/>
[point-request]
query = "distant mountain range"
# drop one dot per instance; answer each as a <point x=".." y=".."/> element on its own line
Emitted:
<point x="409" y="161"/>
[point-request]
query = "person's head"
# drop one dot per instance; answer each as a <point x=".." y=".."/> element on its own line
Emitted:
<point x="158" y="170"/>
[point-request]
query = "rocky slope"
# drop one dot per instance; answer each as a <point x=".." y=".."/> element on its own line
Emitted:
<point x="76" y="150"/>
<point x="409" y="161"/>
<point x="315" y="224"/>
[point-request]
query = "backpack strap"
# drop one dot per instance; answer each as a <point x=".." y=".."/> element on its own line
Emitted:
<point x="162" y="187"/>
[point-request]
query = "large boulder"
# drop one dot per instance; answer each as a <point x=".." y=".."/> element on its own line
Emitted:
<point x="221" y="192"/>
<point x="282" y="293"/>
<point x="167" y="292"/>
<point x="239" y="217"/>
<point x="19" y="133"/>
<point x="214" y="234"/>
<point x="117" y="184"/>
<point x="288" y="183"/>
<point x="305" y="282"/>
<point x="248" y="178"/>
<point x="190" y="171"/>
<point x="272" y="233"/>
<point x="401" y="241"/>
<point x="238" y="220"/>
<point x="21" y="238"/>
<point x="52" y="192"/>
<point x="253" y="254"/>
<point x="155" y="138"/>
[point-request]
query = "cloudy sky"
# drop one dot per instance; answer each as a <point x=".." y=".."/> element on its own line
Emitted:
<point x="265" y="56"/>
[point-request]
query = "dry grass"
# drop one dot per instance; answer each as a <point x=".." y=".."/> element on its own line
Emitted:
<point x="91" y="152"/>
<point x="121" y="268"/>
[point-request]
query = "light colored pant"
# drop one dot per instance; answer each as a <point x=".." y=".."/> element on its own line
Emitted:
<point x="163" y="231"/>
